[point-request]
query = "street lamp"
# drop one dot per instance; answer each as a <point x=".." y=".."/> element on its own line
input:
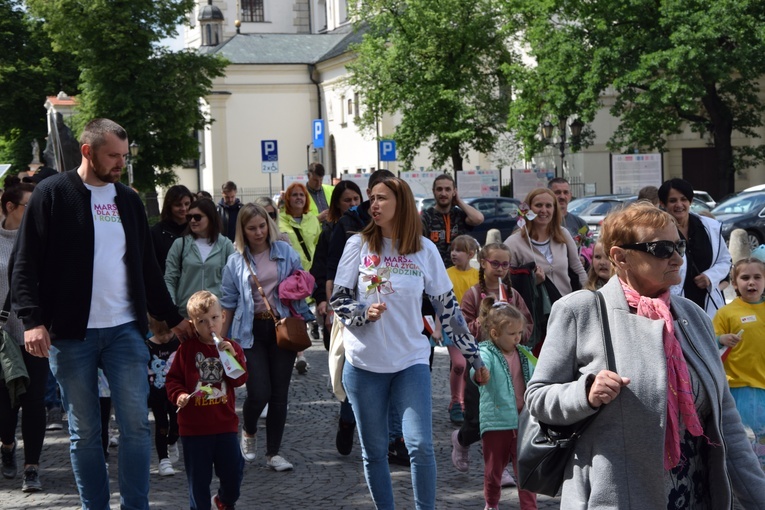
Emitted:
<point x="547" y="133"/>
<point x="134" y="148"/>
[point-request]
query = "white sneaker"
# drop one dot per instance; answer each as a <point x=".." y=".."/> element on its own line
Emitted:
<point x="264" y="412"/>
<point x="166" y="468"/>
<point x="172" y="453"/>
<point x="278" y="463"/>
<point x="248" y="446"/>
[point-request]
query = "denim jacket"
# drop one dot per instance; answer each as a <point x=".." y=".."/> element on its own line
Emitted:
<point x="237" y="291"/>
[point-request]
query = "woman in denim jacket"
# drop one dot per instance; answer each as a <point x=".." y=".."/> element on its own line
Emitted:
<point x="259" y="250"/>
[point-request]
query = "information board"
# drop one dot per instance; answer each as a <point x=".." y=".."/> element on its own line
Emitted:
<point x="631" y="172"/>
<point x="527" y="179"/>
<point x="420" y="182"/>
<point x="478" y="183"/>
<point x="361" y="180"/>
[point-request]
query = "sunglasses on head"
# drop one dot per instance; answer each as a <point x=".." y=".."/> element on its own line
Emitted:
<point x="659" y="249"/>
<point x="195" y="217"/>
<point x="495" y="264"/>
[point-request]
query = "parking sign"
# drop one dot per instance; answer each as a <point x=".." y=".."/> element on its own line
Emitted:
<point x="387" y="150"/>
<point x="270" y="156"/>
<point x="318" y="134"/>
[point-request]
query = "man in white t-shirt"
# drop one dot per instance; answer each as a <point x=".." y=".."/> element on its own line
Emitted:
<point x="84" y="275"/>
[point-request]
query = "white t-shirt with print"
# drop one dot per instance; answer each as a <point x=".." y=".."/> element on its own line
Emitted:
<point x="395" y="342"/>
<point x="110" y="304"/>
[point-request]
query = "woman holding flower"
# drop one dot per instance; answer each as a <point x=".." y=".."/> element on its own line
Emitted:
<point x="378" y="290"/>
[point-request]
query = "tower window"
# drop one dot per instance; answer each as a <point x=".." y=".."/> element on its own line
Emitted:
<point x="252" y="10"/>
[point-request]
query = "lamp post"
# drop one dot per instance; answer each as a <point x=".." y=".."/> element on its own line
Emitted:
<point x="547" y="133"/>
<point x="134" y="148"/>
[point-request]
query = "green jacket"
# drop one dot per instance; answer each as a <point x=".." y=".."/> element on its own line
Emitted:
<point x="12" y="367"/>
<point x="186" y="273"/>
<point x="497" y="408"/>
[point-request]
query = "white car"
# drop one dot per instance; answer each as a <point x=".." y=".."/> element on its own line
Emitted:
<point x="704" y="197"/>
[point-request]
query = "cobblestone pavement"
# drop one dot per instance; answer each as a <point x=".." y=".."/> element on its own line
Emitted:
<point x="322" y="478"/>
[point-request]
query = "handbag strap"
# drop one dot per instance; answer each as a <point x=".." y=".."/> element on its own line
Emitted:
<point x="302" y="243"/>
<point x="5" y="314"/>
<point x="260" y="289"/>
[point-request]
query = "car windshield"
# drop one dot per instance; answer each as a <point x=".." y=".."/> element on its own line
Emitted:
<point x="741" y="204"/>
<point x="578" y="205"/>
<point x="599" y="208"/>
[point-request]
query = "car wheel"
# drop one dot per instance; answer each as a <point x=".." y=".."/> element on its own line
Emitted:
<point x="754" y="239"/>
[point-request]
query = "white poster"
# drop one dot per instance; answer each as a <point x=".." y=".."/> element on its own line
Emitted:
<point x="631" y="172"/>
<point x="527" y="179"/>
<point x="420" y="182"/>
<point x="361" y="180"/>
<point x="478" y="183"/>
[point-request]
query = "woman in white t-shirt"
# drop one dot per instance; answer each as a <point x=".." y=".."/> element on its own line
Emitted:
<point x="378" y="292"/>
<point x="196" y="260"/>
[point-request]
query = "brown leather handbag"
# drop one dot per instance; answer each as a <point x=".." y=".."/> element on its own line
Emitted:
<point x="291" y="332"/>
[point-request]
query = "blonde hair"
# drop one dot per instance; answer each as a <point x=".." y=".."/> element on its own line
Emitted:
<point x="247" y="213"/>
<point x="464" y="243"/>
<point x="407" y="226"/>
<point x="593" y="280"/>
<point x="629" y="225"/>
<point x="200" y="303"/>
<point x="554" y="229"/>
<point x="497" y="314"/>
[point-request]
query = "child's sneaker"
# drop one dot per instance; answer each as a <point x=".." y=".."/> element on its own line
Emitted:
<point x="279" y="463"/>
<point x="166" y="468"/>
<point x="456" y="415"/>
<point x="217" y="505"/>
<point x="172" y="452"/>
<point x="460" y="454"/>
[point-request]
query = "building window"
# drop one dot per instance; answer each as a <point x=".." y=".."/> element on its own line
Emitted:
<point x="252" y="10"/>
<point x="356" y="105"/>
<point x="350" y="107"/>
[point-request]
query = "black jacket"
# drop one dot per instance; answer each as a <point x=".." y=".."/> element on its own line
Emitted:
<point x="52" y="264"/>
<point x="163" y="235"/>
<point x="352" y="222"/>
<point x="228" y="215"/>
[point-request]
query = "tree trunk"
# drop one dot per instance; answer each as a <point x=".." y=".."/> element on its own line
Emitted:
<point x="722" y="130"/>
<point x="456" y="159"/>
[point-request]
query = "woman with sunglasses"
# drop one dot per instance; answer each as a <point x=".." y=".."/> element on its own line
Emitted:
<point x="32" y="402"/>
<point x="172" y="221"/>
<point x="196" y="260"/>
<point x="707" y="259"/>
<point x="668" y="434"/>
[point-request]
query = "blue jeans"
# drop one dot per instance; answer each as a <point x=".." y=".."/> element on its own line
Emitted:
<point x="408" y="391"/>
<point x="200" y="455"/>
<point x="122" y="354"/>
<point x="52" y="400"/>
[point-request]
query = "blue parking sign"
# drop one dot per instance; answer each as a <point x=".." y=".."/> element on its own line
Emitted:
<point x="269" y="150"/>
<point x="318" y="134"/>
<point x="387" y="150"/>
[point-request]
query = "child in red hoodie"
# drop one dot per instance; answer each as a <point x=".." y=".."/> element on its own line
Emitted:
<point x="207" y="420"/>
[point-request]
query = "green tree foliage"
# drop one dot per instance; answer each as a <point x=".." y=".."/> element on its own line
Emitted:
<point x="438" y="64"/>
<point x="673" y="64"/>
<point x="29" y="71"/>
<point x="126" y="76"/>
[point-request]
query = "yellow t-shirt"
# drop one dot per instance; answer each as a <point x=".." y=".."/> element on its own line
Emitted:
<point x="745" y="365"/>
<point x="462" y="280"/>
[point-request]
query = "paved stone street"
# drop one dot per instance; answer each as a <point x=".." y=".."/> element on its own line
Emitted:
<point x="322" y="478"/>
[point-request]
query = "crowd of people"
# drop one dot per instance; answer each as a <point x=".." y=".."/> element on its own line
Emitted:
<point x="195" y="303"/>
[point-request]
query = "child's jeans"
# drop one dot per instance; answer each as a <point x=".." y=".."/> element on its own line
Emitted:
<point x="200" y="455"/>
<point x="499" y="446"/>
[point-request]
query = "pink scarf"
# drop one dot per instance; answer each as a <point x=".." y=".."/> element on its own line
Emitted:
<point x="679" y="393"/>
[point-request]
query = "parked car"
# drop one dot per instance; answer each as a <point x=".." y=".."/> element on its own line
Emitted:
<point x="595" y="213"/>
<point x="578" y="205"/>
<point x="699" y="205"/>
<point x="498" y="212"/>
<point x="704" y="197"/>
<point x="424" y="202"/>
<point x="745" y="211"/>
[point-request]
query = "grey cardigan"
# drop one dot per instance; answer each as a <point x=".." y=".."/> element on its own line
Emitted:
<point x="618" y="460"/>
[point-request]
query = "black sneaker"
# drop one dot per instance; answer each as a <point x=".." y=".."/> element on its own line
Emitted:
<point x="55" y="419"/>
<point x="10" y="469"/>
<point x="344" y="438"/>
<point x="31" y="480"/>
<point x="397" y="452"/>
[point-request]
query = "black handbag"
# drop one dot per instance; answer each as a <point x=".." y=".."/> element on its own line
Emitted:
<point x="544" y="450"/>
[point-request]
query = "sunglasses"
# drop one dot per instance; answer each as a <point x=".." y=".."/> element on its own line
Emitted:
<point x="273" y="215"/>
<point x="659" y="249"/>
<point x="195" y="217"/>
<point x="495" y="264"/>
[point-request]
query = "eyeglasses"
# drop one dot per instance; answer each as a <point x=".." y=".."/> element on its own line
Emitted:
<point x="21" y="205"/>
<point x="659" y="249"/>
<point x="272" y="214"/>
<point x="495" y="264"/>
<point x="195" y="217"/>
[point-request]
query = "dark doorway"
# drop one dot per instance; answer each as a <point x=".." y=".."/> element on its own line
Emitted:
<point x="700" y="169"/>
<point x="333" y="157"/>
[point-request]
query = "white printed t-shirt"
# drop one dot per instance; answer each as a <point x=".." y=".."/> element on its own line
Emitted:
<point x="395" y="342"/>
<point x="110" y="304"/>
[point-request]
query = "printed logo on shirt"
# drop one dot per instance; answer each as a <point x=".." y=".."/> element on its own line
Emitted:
<point x="106" y="213"/>
<point x="371" y="260"/>
<point x="402" y="265"/>
<point x="748" y="319"/>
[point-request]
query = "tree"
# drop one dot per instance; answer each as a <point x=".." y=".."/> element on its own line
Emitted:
<point x="438" y="64"/>
<point x="694" y="63"/>
<point x="126" y="76"/>
<point x="29" y="71"/>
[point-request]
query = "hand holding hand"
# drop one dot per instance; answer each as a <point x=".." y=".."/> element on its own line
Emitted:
<point x="37" y="341"/>
<point x="184" y="330"/>
<point x="482" y="376"/>
<point x="375" y="311"/>
<point x="605" y="388"/>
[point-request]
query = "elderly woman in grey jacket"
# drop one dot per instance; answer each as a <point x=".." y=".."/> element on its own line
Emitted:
<point x="668" y="434"/>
